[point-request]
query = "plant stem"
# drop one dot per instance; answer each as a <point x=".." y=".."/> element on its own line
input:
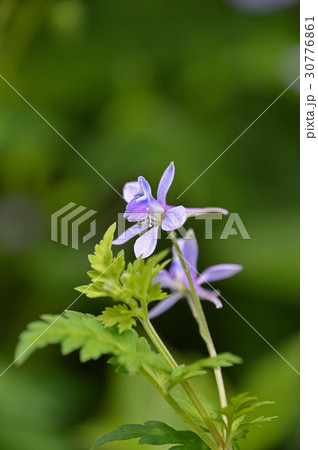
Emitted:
<point x="155" y="338"/>
<point x="200" y="318"/>
<point x="206" y="438"/>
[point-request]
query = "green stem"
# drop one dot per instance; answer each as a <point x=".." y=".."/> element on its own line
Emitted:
<point x="203" y="327"/>
<point x="151" y="332"/>
<point x="206" y="438"/>
<point x="200" y="318"/>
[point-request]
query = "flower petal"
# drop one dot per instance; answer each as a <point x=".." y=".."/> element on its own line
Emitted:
<point x="192" y="212"/>
<point x="164" y="305"/>
<point x="146" y="243"/>
<point x="190" y="250"/>
<point x="145" y="188"/>
<point x="165" y="183"/>
<point x="165" y="279"/>
<point x="174" y="218"/>
<point x="130" y="190"/>
<point x="135" y="211"/>
<point x="130" y="233"/>
<point x="219" y="272"/>
<point x="209" y="295"/>
<point x="146" y="198"/>
<point x="176" y="272"/>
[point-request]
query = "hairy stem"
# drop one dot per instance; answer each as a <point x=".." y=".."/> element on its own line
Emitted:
<point x="177" y="408"/>
<point x="151" y="332"/>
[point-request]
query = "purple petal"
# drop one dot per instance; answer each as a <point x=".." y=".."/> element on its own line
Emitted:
<point x="165" y="183"/>
<point x="135" y="211"/>
<point x="165" y="279"/>
<point x="192" y="212"/>
<point x="146" y="243"/>
<point x="219" y="272"/>
<point x="146" y="198"/>
<point x="209" y="295"/>
<point x="189" y="249"/>
<point x="164" y="305"/>
<point x="145" y="190"/>
<point x="130" y="190"/>
<point x="174" y="218"/>
<point x="130" y="233"/>
<point x="175" y="270"/>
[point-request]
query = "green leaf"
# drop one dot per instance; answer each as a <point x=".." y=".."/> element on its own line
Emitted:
<point x="121" y="315"/>
<point x="83" y="332"/>
<point x="237" y="426"/>
<point x="154" y="433"/>
<point x="106" y="267"/>
<point x="183" y="372"/>
<point x="186" y="404"/>
<point x="137" y="280"/>
<point x="141" y="356"/>
<point x="135" y="283"/>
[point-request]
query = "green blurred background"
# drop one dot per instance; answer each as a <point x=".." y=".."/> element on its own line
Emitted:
<point x="132" y="86"/>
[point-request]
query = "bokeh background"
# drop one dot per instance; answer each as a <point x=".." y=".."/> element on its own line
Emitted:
<point x="132" y="86"/>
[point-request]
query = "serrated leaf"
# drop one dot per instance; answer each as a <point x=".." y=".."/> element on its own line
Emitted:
<point x="92" y="290"/>
<point x="154" y="433"/>
<point x="237" y="425"/>
<point x="196" y="369"/>
<point x="120" y="315"/>
<point x="111" y="279"/>
<point x="83" y="332"/>
<point x="105" y="267"/>
<point x="137" y="280"/>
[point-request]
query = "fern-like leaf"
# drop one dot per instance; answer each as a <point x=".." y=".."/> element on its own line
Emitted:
<point x="83" y="332"/>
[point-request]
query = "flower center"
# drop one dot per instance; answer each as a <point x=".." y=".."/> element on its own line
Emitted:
<point x="155" y="215"/>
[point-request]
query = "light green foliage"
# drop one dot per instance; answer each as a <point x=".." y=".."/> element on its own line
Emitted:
<point x="137" y="280"/>
<point x="184" y="372"/>
<point x="133" y="286"/>
<point x="154" y="433"/>
<point x="86" y="333"/>
<point x="111" y="334"/>
<point x="167" y="379"/>
<point x="237" y="424"/>
<point x="83" y="332"/>
<point x="185" y="403"/>
<point x="120" y="315"/>
<point x="105" y="267"/>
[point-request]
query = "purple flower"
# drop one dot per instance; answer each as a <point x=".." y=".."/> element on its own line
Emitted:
<point x="176" y="280"/>
<point x="152" y="214"/>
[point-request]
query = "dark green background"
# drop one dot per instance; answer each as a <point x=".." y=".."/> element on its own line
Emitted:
<point x="132" y="86"/>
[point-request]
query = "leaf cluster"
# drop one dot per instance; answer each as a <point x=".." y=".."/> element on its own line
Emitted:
<point x="132" y="285"/>
<point x="198" y="368"/>
<point x="129" y="352"/>
<point x="235" y="418"/>
<point x="111" y="333"/>
<point x="83" y="332"/>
